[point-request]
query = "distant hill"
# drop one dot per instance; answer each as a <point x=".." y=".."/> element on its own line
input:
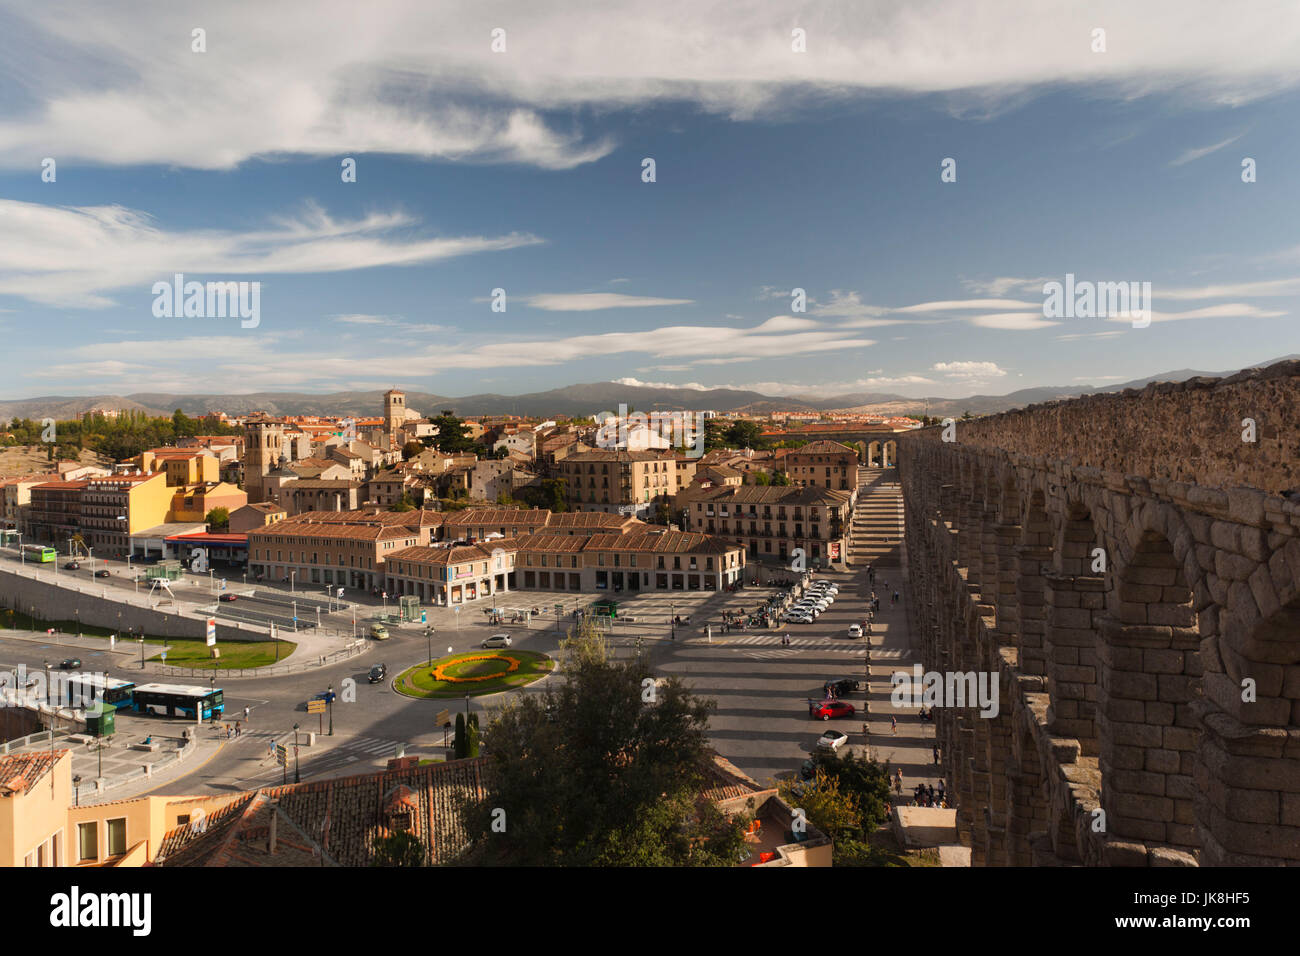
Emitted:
<point x="574" y="400"/>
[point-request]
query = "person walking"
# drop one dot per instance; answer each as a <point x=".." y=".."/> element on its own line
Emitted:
<point x="936" y="755"/>
<point x="896" y="599"/>
<point x="893" y="725"/>
<point x="898" y="780"/>
<point x="247" y="711"/>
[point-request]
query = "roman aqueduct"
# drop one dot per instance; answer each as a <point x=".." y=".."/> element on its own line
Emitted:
<point x="1129" y="565"/>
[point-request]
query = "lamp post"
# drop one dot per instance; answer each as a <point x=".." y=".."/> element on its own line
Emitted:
<point x="673" y="607"/>
<point x="22" y="555"/>
<point x="428" y="642"/>
<point x="292" y="574"/>
<point x="48" y="699"/>
<point x="297" y="777"/>
<point x="76" y="783"/>
<point x="142" y="648"/>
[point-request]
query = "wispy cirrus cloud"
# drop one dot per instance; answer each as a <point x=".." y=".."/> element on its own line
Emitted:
<point x="1192" y="155"/>
<point x="75" y="256"/>
<point x="596" y="301"/>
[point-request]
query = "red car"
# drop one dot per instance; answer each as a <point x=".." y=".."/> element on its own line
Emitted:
<point x="826" y="709"/>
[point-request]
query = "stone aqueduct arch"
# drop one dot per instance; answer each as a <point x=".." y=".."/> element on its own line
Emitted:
<point x="1130" y="568"/>
<point x="884" y="451"/>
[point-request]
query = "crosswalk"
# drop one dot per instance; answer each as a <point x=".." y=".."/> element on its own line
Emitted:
<point x="748" y="647"/>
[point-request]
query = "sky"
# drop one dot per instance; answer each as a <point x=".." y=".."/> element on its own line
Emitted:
<point x="1112" y="157"/>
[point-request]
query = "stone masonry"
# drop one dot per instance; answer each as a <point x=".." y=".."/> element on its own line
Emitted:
<point x="1129" y="565"/>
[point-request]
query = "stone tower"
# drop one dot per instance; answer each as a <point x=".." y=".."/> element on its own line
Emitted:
<point x="394" y="411"/>
<point x="263" y="446"/>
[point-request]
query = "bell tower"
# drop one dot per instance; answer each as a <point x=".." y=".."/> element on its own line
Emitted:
<point x="394" y="411"/>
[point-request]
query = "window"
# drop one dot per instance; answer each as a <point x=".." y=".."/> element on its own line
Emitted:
<point x="117" y="836"/>
<point x="88" y="841"/>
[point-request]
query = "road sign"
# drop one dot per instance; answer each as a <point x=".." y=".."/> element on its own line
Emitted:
<point x="163" y="655"/>
<point x="444" y="717"/>
<point x="315" y="706"/>
<point x="559" y="609"/>
<point x="281" y="755"/>
<point x="212" y="632"/>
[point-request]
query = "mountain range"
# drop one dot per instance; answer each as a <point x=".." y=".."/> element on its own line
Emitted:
<point x="573" y="400"/>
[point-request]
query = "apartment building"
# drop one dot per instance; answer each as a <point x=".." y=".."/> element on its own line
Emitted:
<point x="624" y="482"/>
<point x="347" y="549"/>
<point x="771" y="521"/>
<point x="54" y="513"/>
<point x="115" y="507"/>
<point x="824" y="464"/>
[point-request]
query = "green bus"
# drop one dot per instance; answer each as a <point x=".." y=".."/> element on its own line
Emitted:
<point x="36" y="552"/>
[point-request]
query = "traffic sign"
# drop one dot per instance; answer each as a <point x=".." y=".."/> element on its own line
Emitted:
<point x="281" y="755"/>
<point x="315" y="706"/>
<point x="444" y="717"/>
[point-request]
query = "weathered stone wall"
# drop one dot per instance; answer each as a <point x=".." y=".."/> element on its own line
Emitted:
<point x="1129" y="568"/>
<point x="1185" y="431"/>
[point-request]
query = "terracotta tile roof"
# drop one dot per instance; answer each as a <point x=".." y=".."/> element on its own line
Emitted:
<point x="822" y="447"/>
<point x="589" y="519"/>
<point x="19" y="773"/>
<point x="334" y="822"/>
<point x="552" y="543"/>
<point x="664" y="542"/>
<point x="497" y="517"/>
<point x="767" y="494"/>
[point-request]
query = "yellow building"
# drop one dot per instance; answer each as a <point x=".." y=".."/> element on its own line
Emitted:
<point x="117" y="506"/>
<point x="182" y="466"/>
<point x="41" y="824"/>
<point x="194" y="503"/>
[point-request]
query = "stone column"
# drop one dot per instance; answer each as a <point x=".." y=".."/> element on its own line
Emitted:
<point x="1074" y="604"/>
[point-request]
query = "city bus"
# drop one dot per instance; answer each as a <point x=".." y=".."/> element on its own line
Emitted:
<point x="82" y="689"/>
<point x="37" y="552"/>
<point x="177" y="700"/>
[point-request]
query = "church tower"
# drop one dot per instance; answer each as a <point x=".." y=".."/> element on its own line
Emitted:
<point x="394" y="411"/>
<point x="263" y="447"/>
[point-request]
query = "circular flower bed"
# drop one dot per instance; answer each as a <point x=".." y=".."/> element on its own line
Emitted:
<point x="441" y="671"/>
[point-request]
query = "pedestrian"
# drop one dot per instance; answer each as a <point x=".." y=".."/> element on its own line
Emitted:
<point x="936" y="755"/>
<point x="898" y="780"/>
<point x="237" y="728"/>
<point x="893" y="725"/>
<point x="895" y="597"/>
<point x="246" y="713"/>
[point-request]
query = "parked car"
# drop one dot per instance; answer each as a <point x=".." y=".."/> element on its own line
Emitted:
<point x="71" y="664"/>
<point x="497" y="640"/>
<point x="72" y="566"/>
<point x="844" y="685"/>
<point x="378" y="673"/>
<point x="229" y="596"/>
<point x="103" y="573"/>
<point x="826" y="709"/>
<point x="855" y="630"/>
<point x="798" y="617"/>
<point x="832" y="740"/>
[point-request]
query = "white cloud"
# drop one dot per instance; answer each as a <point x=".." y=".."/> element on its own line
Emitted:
<point x="1194" y="154"/>
<point x="72" y="256"/>
<point x="595" y="301"/>
<point x="968" y="370"/>
<point x="1013" y="321"/>
<point x="950" y="305"/>
<point x="1228" y="310"/>
<point x="332" y="77"/>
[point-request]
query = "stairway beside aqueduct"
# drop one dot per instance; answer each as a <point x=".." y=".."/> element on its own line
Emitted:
<point x="1162" y="687"/>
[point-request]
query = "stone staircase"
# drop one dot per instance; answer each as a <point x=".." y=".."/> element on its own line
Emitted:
<point x="876" y="535"/>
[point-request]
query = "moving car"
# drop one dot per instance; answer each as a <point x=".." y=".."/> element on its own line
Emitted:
<point x="826" y="709"/>
<point x="832" y="740"/>
<point x="377" y="673"/>
<point x="798" y="617"/>
<point x="72" y="566"/>
<point x="497" y="640"/>
<point x="229" y="597"/>
<point x="855" y="630"/>
<point x="326" y="695"/>
<point x="379" y="632"/>
<point x="103" y="573"/>
<point x="71" y="664"/>
<point x="844" y="685"/>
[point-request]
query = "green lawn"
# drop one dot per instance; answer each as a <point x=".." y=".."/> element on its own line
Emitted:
<point x="183" y="652"/>
<point x="418" y="681"/>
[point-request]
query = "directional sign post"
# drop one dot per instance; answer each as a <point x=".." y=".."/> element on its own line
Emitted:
<point x="212" y="632"/>
<point x="282" y="758"/>
<point x="317" y="707"/>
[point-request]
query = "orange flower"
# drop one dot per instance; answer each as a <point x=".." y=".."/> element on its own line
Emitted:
<point x="440" y="672"/>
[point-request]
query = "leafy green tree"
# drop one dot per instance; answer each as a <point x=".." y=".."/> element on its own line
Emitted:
<point x="831" y="809"/>
<point x="398" y="849"/>
<point x="597" y="773"/>
<point x="780" y="478"/>
<point x="761" y="477"/>
<point x="451" y="436"/>
<point x="745" y="435"/>
<point x="404" y="503"/>
<point x="458" y="741"/>
<point x="218" y="517"/>
<point x="411" y="449"/>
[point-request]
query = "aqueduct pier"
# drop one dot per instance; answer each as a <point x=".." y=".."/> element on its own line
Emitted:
<point x="1129" y="566"/>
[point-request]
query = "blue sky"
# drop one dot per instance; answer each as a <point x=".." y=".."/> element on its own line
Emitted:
<point x="522" y="171"/>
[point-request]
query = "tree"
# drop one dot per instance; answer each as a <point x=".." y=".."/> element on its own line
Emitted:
<point x="604" y="769"/>
<point x="405" y="503"/>
<point x="745" y="435"/>
<point x="451" y="436"/>
<point x="662" y="513"/>
<point x="398" y="849"/>
<point x="218" y="517"/>
<point x="411" y="449"/>
<point x="761" y="477"/>
<point x="472" y="736"/>
<point x="831" y="809"/>
<point x="780" y="478"/>
<point x="966" y="414"/>
<point x="458" y="740"/>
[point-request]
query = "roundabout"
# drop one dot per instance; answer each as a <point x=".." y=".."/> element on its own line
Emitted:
<point x="473" y="673"/>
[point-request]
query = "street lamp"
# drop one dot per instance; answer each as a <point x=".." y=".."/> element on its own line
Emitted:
<point x="48" y="698"/>
<point x="142" y="648"/>
<point x="292" y="573"/>
<point x="330" y="704"/>
<point x="673" y="608"/>
<point x="428" y="641"/>
<point x="76" y="782"/>
<point x="297" y="777"/>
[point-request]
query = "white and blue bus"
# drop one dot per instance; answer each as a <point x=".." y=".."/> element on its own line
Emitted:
<point x="83" y="689"/>
<point x="178" y="700"/>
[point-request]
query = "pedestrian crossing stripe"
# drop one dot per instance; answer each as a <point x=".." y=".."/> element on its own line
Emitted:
<point x="370" y="745"/>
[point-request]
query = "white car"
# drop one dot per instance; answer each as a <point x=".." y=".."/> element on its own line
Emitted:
<point x="497" y="640"/>
<point x="855" y="630"/>
<point x="798" y="617"/>
<point x="832" y="740"/>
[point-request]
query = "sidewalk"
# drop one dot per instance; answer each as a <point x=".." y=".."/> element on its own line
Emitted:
<point x="892" y="650"/>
